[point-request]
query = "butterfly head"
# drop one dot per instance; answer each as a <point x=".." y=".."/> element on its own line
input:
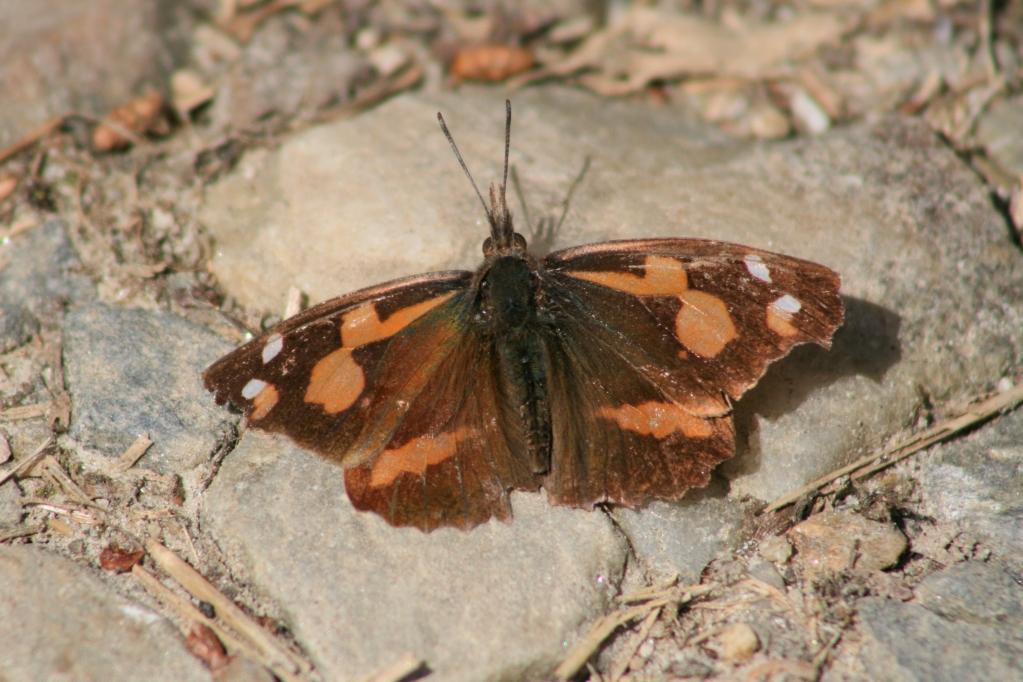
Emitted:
<point x="503" y="239"/>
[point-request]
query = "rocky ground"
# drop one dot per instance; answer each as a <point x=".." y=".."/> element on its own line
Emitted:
<point x="174" y="175"/>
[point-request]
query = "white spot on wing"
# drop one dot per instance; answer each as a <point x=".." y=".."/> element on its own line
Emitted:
<point x="756" y="266"/>
<point x="274" y="345"/>
<point x="787" y="305"/>
<point x="253" y="388"/>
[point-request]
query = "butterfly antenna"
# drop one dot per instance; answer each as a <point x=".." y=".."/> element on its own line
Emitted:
<point x="461" y="162"/>
<point x="507" y="148"/>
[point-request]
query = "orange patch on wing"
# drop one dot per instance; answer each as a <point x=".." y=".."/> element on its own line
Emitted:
<point x="414" y="456"/>
<point x="662" y="276"/>
<point x="264" y="402"/>
<point x="363" y="325"/>
<point x="780" y="322"/>
<point x="703" y="324"/>
<point x="659" y="420"/>
<point x="336" y="382"/>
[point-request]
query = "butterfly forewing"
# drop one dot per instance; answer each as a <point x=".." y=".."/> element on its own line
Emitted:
<point x="314" y="377"/>
<point x="650" y="340"/>
<point x="397" y="384"/>
<point x="724" y="310"/>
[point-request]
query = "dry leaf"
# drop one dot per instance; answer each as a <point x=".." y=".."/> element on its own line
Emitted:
<point x="206" y="646"/>
<point x="8" y="183"/>
<point x="134" y="118"/>
<point x="648" y="45"/>
<point x="955" y="114"/>
<point x="492" y="63"/>
<point x="118" y="560"/>
<point x="242" y="25"/>
<point x="189" y="91"/>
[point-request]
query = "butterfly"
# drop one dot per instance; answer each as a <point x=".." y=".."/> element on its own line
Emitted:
<point x="604" y="373"/>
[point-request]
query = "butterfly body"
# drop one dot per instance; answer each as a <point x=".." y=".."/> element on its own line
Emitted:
<point x="604" y="373"/>
<point x="516" y="326"/>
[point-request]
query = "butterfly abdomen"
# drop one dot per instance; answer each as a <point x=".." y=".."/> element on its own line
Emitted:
<point x="509" y="293"/>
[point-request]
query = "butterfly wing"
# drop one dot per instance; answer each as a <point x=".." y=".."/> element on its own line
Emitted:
<point x="392" y="382"/>
<point x="651" y="341"/>
<point x="450" y="461"/>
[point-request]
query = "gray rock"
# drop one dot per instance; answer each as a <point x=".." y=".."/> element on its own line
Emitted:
<point x="973" y="591"/>
<point x="499" y="602"/>
<point x="681" y="538"/>
<point x="889" y="207"/>
<point x="966" y="625"/>
<point x="58" y="621"/>
<point x="11" y="511"/>
<point x="133" y="372"/>
<point x="832" y="542"/>
<point x="349" y="204"/>
<point x="998" y="132"/>
<point x="287" y="72"/>
<point x="17" y="326"/>
<point x="38" y="274"/>
<point x="975" y="482"/>
<point x="64" y="57"/>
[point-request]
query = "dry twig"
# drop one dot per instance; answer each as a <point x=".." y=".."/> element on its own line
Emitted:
<point x="621" y="666"/>
<point x="282" y="661"/>
<point x="21" y="532"/>
<point x="943" y="430"/>
<point x="22" y="225"/>
<point x="33" y="137"/>
<point x="23" y="412"/>
<point x="21" y="466"/>
<point x="190" y="614"/>
<point x="606" y="626"/>
<point x="52" y="468"/>
<point x="133" y="453"/>
<point x="73" y="512"/>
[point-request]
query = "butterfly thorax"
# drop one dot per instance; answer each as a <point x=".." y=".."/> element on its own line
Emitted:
<point x="509" y="291"/>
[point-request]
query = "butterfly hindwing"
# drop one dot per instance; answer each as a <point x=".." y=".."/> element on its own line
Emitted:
<point x="620" y="435"/>
<point x="449" y="462"/>
<point x="650" y="341"/>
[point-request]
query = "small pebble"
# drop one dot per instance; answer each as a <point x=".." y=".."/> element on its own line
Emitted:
<point x="738" y="642"/>
<point x="775" y="548"/>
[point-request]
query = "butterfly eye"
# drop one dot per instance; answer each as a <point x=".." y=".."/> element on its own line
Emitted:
<point x="519" y="241"/>
<point x="488" y="246"/>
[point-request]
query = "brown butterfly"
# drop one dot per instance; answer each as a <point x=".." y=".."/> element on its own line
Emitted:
<point x="604" y="373"/>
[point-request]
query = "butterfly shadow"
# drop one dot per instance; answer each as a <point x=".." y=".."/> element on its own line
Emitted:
<point x="867" y="344"/>
<point x="543" y="233"/>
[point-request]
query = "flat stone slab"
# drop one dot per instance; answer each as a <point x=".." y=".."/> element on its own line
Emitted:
<point x="887" y="206"/>
<point x="39" y="272"/>
<point x="59" y="621"/>
<point x="87" y="58"/>
<point x="965" y="623"/>
<point x="132" y="372"/>
<point x="680" y="538"/>
<point x="933" y="308"/>
<point x="500" y="602"/>
<point x="976" y="483"/>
